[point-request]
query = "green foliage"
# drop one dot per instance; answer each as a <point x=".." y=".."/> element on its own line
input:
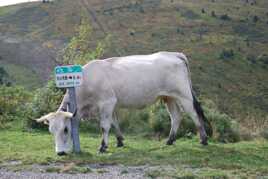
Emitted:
<point x="13" y="102"/>
<point x="213" y="14"/>
<point x="159" y="119"/>
<point x="255" y="19"/>
<point x="263" y="59"/>
<point x="134" y="121"/>
<point x="227" y="54"/>
<point x="4" y="77"/>
<point x="264" y="133"/>
<point x="225" y="129"/>
<point x="225" y="17"/>
<point x="45" y="100"/>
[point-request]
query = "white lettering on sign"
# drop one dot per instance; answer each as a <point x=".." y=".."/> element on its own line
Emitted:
<point x="68" y="76"/>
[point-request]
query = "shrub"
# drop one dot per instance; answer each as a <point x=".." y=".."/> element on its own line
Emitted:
<point x="225" y="129"/>
<point x="225" y="17"/>
<point x="213" y="14"/>
<point x="227" y="54"/>
<point x="187" y="127"/>
<point x="264" y="133"/>
<point x="159" y="119"/>
<point x="255" y="19"/>
<point x="263" y="59"/>
<point x="135" y="121"/>
<point x="13" y="102"/>
<point x="160" y="122"/>
<point x="4" y="77"/>
<point x="252" y="59"/>
<point x="45" y="100"/>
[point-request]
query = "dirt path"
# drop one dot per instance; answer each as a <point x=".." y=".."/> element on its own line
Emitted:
<point x="65" y="171"/>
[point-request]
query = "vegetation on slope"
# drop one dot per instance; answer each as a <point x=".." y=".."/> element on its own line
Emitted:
<point x="226" y="41"/>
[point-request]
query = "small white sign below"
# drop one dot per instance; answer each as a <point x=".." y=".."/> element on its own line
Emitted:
<point x="68" y="76"/>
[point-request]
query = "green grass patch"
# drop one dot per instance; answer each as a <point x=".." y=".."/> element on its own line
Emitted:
<point x="187" y="156"/>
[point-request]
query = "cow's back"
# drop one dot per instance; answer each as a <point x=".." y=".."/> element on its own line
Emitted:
<point x="141" y="79"/>
<point x="135" y="81"/>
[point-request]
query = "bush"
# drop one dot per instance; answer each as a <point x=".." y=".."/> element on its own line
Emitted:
<point x="251" y="59"/>
<point x="187" y="127"/>
<point x="263" y="59"/>
<point x="45" y="100"/>
<point x="225" y="17"/>
<point x="213" y="14"/>
<point x="159" y="119"/>
<point x="160" y="122"/>
<point x="13" y="103"/>
<point x="4" y="77"/>
<point x="225" y="129"/>
<point x="134" y="121"/>
<point x="227" y="54"/>
<point x="264" y="133"/>
<point x="255" y="19"/>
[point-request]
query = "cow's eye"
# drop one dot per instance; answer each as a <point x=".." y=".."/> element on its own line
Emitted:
<point x="65" y="130"/>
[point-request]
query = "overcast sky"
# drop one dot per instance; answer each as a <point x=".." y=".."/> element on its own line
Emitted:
<point x="10" y="2"/>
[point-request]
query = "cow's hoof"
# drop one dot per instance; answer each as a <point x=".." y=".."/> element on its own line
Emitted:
<point x="204" y="142"/>
<point x="103" y="149"/>
<point x="120" y="144"/>
<point x="61" y="153"/>
<point x="170" y="142"/>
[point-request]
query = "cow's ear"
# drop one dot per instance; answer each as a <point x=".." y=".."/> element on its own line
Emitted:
<point x="45" y="119"/>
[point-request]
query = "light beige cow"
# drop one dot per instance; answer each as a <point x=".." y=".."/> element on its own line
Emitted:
<point x="129" y="82"/>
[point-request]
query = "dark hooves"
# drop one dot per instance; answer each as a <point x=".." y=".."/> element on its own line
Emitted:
<point x="120" y="144"/>
<point x="170" y="142"/>
<point x="103" y="149"/>
<point x="204" y="143"/>
<point x="120" y="141"/>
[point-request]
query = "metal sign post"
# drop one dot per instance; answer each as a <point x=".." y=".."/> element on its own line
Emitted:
<point x="74" y="120"/>
<point x="69" y="77"/>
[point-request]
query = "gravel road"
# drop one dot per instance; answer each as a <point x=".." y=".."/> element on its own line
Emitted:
<point x="96" y="171"/>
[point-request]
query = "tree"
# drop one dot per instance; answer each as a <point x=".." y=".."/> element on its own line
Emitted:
<point x="79" y="50"/>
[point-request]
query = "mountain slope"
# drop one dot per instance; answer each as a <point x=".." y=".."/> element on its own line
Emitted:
<point x="226" y="41"/>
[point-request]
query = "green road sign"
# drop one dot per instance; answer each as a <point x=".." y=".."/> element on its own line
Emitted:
<point x="68" y="76"/>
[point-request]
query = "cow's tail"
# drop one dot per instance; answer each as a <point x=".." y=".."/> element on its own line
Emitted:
<point x="199" y="110"/>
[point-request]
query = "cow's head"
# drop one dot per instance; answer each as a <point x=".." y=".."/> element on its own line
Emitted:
<point x="60" y="126"/>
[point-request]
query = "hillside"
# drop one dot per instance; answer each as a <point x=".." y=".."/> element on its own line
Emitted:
<point x="226" y="41"/>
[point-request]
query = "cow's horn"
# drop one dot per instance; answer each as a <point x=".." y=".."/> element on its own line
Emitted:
<point x="45" y="118"/>
<point x="67" y="114"/>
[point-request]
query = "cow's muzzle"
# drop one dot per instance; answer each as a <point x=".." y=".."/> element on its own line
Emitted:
<point x="61" y="153"/>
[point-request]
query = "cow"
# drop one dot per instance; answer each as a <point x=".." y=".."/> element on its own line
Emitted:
<point x="129" y="82"/>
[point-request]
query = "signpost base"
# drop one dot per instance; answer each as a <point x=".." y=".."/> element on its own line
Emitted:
<point x="74" y="121"/>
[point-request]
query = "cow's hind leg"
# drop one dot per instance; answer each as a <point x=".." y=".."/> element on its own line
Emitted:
<point x="188" y="106"/>
<point x="118" y="132"/>
<point x="173" y="110"/>
<point x="106" y="119"/>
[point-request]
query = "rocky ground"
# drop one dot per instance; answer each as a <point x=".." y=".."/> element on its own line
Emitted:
<point x="71" y="170"/>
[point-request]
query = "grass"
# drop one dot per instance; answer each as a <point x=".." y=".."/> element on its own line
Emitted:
<point x="187" y="157"/>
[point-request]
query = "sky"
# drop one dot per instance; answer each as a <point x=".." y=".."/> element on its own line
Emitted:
<point x="11" y="2"/>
